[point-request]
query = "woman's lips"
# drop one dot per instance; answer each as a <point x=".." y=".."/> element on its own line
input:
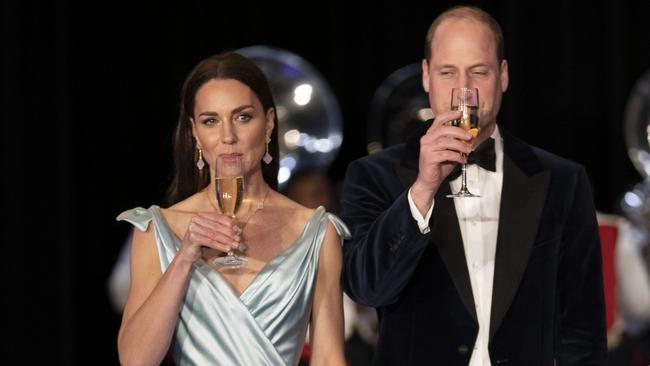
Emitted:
<point x="230" y="157"/>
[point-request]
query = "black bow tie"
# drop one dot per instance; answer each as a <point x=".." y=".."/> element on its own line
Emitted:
<point x="484" y="156"/>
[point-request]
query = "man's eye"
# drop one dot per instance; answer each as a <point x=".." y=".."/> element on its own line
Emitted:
<point x="480" y="72"/>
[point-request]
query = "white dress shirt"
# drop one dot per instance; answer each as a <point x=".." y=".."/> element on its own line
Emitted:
<point x="478" y="219"/>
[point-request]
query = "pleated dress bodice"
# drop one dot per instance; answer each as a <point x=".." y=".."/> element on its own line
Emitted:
<point x="267" y="323"/>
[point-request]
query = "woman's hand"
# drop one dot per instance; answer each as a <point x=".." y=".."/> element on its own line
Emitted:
<point x="210" y="230"/>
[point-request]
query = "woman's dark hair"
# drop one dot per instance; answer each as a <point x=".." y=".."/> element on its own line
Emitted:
<point x="186" y="178"/>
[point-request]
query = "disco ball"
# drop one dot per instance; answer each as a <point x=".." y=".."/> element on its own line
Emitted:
<point x="397" y="108"/>
<point x="310" y="122"/>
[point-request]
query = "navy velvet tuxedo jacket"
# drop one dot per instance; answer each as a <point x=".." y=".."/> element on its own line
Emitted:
<point x="547" y="302"/>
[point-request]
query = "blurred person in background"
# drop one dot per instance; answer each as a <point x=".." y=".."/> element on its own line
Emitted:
<point x="629" y="335"/>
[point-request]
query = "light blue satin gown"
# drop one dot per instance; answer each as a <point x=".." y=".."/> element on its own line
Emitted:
<point x="267" y="324"/>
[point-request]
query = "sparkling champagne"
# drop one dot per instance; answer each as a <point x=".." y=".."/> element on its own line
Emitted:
<point x="230" y="191"/>
<point x="465" y="100"/>
<point x="468" y="118"/>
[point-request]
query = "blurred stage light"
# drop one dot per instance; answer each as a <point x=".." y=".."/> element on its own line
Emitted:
<point x="291" y="139"/>
<point x="302" y="94"/>
<point x="633" y="200"/>
<point x="284" y="174"/>
<point x="425" y="114"/>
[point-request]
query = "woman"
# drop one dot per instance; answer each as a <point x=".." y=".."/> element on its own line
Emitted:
<point x="255" y="315"/>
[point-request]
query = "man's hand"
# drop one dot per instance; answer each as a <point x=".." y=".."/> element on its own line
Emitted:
<point x="440" y="151"/>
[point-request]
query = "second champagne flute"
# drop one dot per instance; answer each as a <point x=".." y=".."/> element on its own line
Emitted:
<point x="229" y="183"/>
<point x="465" y="100"/>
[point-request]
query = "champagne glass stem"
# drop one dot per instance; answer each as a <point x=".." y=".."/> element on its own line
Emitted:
<point x="463" y="182"/>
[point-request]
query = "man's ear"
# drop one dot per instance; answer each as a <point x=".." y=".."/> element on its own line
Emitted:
<point x="505" y="78"/>
<point x="425" y="75"/>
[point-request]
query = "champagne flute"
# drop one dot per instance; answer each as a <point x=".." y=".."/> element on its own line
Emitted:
<point x="465" y="100"/>
<point x="229" y="183"/>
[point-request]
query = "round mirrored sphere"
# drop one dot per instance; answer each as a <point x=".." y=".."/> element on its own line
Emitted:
<point x="310" y="122"/>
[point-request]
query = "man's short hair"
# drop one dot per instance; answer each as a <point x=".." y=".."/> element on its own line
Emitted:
<point x="466" y="12"/>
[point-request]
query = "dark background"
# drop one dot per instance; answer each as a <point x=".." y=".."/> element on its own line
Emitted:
<point x="89" y="99"/>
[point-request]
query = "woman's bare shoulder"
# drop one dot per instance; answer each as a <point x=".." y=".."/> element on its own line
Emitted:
<point x="179" y="214"/>
<point x="294" y="212"/>
<point x="194" y="203"/>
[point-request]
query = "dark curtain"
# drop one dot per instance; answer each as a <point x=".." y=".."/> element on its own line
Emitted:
<point x="90" y="93"/>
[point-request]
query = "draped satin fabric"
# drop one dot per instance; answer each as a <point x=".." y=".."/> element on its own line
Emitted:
<point x="267" y="324"/>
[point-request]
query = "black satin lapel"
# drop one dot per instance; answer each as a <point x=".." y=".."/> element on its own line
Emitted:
<point x="448" y="240"/>
<point x="522" y="202"/>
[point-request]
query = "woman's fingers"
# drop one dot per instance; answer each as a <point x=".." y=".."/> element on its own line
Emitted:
<point x="211" y="230"/>
<point x="207" y="241"/>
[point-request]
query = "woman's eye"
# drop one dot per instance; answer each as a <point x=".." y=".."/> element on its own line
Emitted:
<point x="244" y="117"/>
<point x="209" y="121"/>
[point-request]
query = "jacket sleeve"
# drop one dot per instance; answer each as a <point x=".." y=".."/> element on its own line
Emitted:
<point x="582" y="331"/>
<point x="386" y="243"/>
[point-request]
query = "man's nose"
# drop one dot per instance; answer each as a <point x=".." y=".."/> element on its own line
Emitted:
<point x="463" y="81"/>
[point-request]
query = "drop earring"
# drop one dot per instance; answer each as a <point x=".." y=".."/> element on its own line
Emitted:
<point x="267" y="157"/>
<point x="200" y="163"/>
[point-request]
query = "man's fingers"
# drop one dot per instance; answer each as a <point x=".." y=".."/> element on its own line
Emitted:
<point x="444" y="117"/>
<point x="446" y="131"/>
<point x="449" y="156"/>
<point x="444" y="142"/>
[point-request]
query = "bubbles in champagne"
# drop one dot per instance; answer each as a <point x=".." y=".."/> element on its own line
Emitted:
<point x="468" y="119"/>
<point x="230" y="191"/>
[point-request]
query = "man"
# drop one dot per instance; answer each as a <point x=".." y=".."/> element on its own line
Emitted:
<point x="510" y="278"/>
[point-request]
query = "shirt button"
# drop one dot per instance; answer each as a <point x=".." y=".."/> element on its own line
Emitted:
<point x="463" y="349"/>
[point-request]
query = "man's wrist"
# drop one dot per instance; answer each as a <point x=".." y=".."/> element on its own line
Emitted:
<point x="421" y="218"/>
<point x="422" y="196"/>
